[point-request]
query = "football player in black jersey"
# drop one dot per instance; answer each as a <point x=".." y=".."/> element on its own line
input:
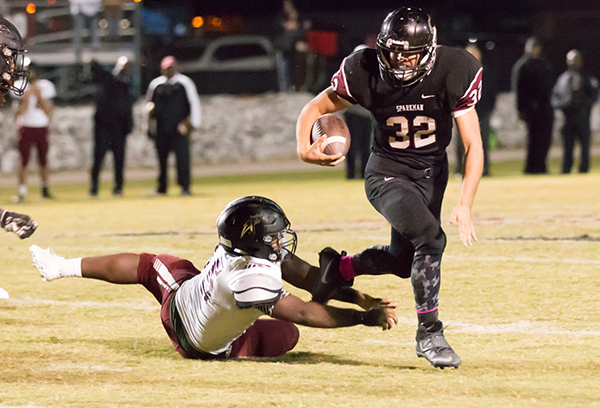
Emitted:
<point x="415" y="89"/>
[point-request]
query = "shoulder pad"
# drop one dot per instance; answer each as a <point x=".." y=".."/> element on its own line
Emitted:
<point x="255" y="290"/>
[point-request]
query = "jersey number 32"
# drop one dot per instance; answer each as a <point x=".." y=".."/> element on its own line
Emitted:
<point x="423" y="137"/>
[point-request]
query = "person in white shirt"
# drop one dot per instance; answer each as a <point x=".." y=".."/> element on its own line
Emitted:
<point x="216" y="312"/>
<point x="33" y="121"/>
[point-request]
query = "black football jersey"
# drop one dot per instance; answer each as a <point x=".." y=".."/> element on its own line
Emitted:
<point x="415" y="122"/>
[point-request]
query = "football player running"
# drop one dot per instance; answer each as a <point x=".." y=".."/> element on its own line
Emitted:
<point x="415" y="89"/>
<point x="214" y="313"/>
<point x="12" y="78"/>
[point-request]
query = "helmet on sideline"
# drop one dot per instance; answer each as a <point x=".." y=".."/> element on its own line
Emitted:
<point x="13" y="75"/>
<point x="256" y="226"/>
<point x="406" y="32"/>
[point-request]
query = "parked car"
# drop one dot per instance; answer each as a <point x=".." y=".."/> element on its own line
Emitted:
<point x="235" y="65"/>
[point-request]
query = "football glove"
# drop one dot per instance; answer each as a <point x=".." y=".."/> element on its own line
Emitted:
<point x="20" y="224"/>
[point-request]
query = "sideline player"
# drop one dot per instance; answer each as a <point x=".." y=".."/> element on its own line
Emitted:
<point x="13" y="77"/>
<point x="415" y="89"/>
<point x="214" y="313"/>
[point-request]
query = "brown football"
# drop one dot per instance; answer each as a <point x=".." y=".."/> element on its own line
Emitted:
<point x="338" y="135"/>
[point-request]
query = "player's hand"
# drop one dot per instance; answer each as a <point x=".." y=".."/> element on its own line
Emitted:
<point x="314" y="155"/>
<point x="461" y="215"/>
<point x="387" y="317"/>
<point x="20" y="224"/>
<point x="368" y="302"/>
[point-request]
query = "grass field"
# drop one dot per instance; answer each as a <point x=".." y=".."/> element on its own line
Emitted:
<point x="522" y="306"/>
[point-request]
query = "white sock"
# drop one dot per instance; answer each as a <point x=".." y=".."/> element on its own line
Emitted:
<point x="23" y="190"/>
<point x="72" y="267"/>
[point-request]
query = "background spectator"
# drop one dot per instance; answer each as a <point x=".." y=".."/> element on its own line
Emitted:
<point x="113" y="13"/>
<point x="33" y="120"/>
<point x="532" y="82"/>
<point x="574" y="93"/>
<point x="172" y="100"/>
<point x="290" y="33"/>
<point x="85" y="15"/>
<point x="113" y="120"/>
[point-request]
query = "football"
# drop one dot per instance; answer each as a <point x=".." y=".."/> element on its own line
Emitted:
<point x="338" y="135"/>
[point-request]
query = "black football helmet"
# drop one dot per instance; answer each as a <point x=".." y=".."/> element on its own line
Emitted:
<point x="256" y="226"/>
<point x="13" y="76"/>
<point x="406" y="32"/>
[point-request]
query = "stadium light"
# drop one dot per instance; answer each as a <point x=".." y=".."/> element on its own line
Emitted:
<point x="197" y="22"/>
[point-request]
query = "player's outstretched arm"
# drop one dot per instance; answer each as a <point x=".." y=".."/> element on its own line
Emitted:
<point x="293" y="309"/>
<point x="20" y="224"/>
<point x="326" y="102"/>
<point x="301" y="274"/>
<point x="365" y="301"/>
<point x="468" y="126"/>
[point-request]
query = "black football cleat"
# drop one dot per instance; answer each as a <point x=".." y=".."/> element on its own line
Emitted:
<point x="432" y="345"/>
<point x="329" y="275"/>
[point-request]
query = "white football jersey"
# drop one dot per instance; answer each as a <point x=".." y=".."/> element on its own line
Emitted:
<point x="206" y="304"/>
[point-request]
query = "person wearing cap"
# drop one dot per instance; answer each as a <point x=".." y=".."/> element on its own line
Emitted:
<point x="173" y="103"/>
<point x="113" y="120"/>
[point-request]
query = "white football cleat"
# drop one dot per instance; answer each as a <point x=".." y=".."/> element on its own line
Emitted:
<point x="3" y="294"/>
<point x="47" y="262"/>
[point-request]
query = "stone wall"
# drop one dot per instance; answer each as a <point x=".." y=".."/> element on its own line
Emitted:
<point x="234" y="129"/>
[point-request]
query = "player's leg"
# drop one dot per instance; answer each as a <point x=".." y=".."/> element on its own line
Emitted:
<point x="266" y="338"/>
<point x="119" y="268"/>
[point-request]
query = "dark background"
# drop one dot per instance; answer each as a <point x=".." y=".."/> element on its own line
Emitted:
<point x="499" y="27"/>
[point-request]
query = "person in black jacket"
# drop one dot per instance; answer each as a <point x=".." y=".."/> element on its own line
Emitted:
<point x="532" y="82"/>
<point x="113" y="120"/>
<point x="575" y="93"/>
<point x="173" y="104"/>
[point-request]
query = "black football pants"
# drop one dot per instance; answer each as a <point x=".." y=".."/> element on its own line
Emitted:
<point x="410" y="200"/>
<point x="165" y="143"/>
<point x="106" y="138"/>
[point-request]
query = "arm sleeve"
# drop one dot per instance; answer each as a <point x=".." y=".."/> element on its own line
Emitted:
<point x="194" y="100"/>
<point x="339" y="83"/>
<point x="152" y="86"/>
<point x="465" y="85"/>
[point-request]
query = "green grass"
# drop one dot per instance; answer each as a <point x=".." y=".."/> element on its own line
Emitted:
<point x="522" y="305"/>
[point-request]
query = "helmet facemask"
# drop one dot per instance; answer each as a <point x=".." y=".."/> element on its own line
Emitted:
<point x="13" y="76"/>
<point x="282" y="243"/>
